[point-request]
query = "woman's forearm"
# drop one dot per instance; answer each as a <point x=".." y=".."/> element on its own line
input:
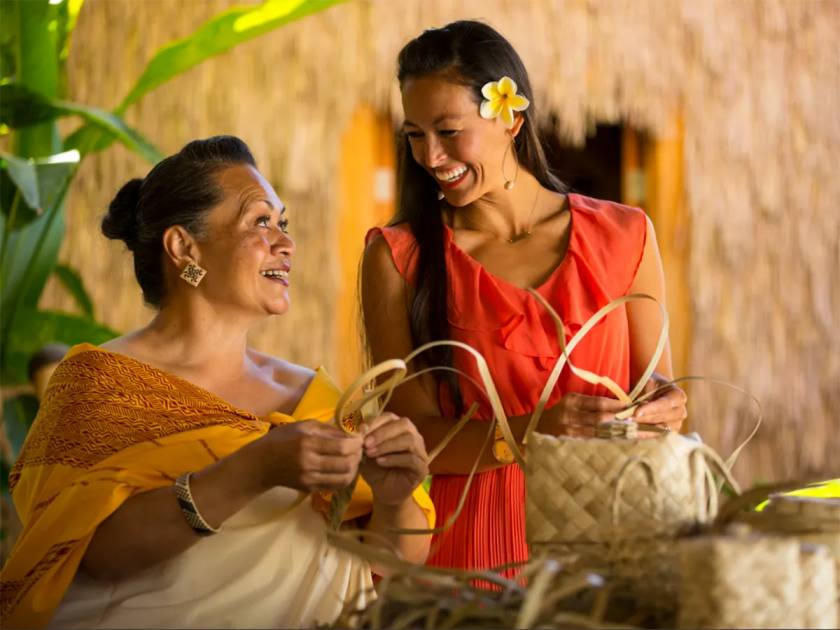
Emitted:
<point x="407" y="515"/>
<point x="150" y="527"/>
<point x="460" y="454"/>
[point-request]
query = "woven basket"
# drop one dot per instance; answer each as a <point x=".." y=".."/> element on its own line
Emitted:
<point x="585" y="491"/>
<point x="818" y="597"/>
<point x="746" y="579"/>
<point x="812" y="521"/>
<point x="740" y="580"/>
<point x="618" y="502"/>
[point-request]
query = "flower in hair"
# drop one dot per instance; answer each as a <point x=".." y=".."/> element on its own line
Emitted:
<point x="502" y="100"/>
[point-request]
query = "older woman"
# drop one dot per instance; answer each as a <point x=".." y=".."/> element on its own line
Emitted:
<point x="480" y="220"/>
<point x="166" y="481"/>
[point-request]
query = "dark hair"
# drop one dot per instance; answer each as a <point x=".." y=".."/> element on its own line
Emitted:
<point x="471" y="54"/>
<point x="48" y="355"/>
<point x="179" y="190"/>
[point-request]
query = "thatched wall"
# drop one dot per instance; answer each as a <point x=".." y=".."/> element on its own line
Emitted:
<point x="757" y="84"/>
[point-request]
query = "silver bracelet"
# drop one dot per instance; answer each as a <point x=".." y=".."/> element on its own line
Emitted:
<point x="188" y="508"/>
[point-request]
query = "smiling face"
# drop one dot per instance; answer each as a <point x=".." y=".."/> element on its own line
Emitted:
<point x="246" y="249"/>
<point x="462" y="151"/>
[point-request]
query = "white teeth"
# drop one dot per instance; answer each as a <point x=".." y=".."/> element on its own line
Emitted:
<point x="275" y="273"/>
<point x="449" y="176"/>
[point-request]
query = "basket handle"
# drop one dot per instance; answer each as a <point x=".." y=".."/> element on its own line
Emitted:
<point x="586" y="375"/>
<point x="347" y="406"/>
<point x="380" y="394"/>
<point x="730" y="461"/>
<point x="635" y="397"/>
<point x="721" y="467"/>
<point x="619" y="486"/>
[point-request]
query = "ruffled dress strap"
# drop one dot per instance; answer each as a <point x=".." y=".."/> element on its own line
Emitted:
<point x="404" y="248"/>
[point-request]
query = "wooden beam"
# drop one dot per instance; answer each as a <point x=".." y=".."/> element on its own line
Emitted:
<point x="664" y="200"/>
<point x="367" y="181"/>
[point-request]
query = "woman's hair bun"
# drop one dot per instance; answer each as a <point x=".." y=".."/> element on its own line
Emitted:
<point x="120" y="222"/>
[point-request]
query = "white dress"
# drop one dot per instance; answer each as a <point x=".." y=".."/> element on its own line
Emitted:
<point x="270" y="566"/>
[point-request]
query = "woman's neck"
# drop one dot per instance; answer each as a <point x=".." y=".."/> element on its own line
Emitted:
<point x="504" y="213"/>
<point x="195" y="338"/>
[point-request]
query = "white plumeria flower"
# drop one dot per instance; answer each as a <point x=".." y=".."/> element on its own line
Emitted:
<point x="502" y="100"/>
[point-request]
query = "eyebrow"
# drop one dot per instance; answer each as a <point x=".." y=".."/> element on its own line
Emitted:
<point x="436" y="121"/>
<point x="247" y="202"/>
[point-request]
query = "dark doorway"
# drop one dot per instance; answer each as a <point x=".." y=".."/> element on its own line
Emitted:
<point x="594" y="169"/>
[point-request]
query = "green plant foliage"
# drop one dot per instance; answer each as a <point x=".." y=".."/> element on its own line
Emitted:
<point x="40" y="184"/>
<point x="22" y="174"/>
<point x="18" y="414"/>
<point x="114" y="128"/>
<point x="68" y="13"/>
<point x="72" y="281"/>
<point x="8" y="38"/>
<point x="29" y="257"/>
<point x="36" y="328"/>
<point x="34" y="40"/>
<point x="31" y="228"/>
<point x="22" y="107"/>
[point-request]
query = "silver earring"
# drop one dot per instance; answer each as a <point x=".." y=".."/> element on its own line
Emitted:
<point x="440" y="195"/>
<point x="510" y="183"/>
<point x="193" y="274"/>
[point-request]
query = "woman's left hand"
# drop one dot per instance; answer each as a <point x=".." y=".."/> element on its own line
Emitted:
<point x="667" y="408"/>
<point x="395" y="458"/>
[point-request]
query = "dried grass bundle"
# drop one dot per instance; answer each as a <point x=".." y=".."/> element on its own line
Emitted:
<point x="548" y="593"/>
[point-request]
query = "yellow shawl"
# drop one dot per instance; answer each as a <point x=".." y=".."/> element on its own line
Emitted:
<point x="110" y="427"/>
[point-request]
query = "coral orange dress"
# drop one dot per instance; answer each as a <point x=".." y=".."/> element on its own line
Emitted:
<point x="517" y="337"/>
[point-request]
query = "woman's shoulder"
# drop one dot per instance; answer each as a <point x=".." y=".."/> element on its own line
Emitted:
<point x="395" y="234"/>
<point x="281" y="371"/>
<point x="392" y="245"/>
<point x="314" y="392"/>
<point x="610" y="237"/>
<point x="608" y="226"/>
<point x="604" y="210"/>
<point x="133" y="345"/>
<point x="125" y="345"/>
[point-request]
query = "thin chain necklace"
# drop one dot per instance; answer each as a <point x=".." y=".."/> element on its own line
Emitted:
<point x="527" y="233"/>
<point x="521" y="236"/>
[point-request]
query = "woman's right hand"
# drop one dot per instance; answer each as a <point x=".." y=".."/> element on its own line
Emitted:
<point x="577" y="415"/>
<point x="308" y="456"/>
